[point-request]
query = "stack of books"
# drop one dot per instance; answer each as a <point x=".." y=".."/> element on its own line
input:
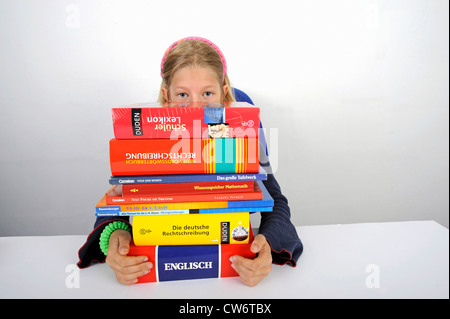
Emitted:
<point x="189" y="177"/>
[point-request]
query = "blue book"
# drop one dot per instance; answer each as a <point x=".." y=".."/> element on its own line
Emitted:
<point x="251" y="210"/>
<point x="187" y="178"/>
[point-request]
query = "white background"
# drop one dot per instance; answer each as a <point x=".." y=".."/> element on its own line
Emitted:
<point x="354" y="95"/>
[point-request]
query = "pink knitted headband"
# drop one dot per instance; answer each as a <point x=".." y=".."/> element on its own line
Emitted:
<point x="222" y="57"/>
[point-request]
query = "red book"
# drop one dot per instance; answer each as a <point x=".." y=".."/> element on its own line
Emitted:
<point x="187" y="188"/>
<point x="191" y="261"/>
<point x="114" y="197"/>
<point x="195" y="120"/>
<point x="184" y="156"/>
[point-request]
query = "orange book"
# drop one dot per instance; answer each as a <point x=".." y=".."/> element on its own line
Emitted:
<point x="184" y="156"/>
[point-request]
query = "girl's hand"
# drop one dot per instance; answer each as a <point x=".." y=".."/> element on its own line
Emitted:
<point x="126" y="268"/>
<point x="252" y="271"/>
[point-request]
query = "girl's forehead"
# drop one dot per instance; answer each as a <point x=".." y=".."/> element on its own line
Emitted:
<point x="195" y="75"/>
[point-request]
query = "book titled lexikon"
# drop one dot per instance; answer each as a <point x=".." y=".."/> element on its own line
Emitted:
<point x="186" y="120"/>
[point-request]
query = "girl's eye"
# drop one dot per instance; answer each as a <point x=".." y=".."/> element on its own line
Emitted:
<point x="208" y="93"/>
<point x="182" y="95"/>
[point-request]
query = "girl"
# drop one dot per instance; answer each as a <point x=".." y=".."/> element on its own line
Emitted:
<point x="194" y="70"/>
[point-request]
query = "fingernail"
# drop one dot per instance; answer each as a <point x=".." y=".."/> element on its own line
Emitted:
<point x="232" y="259"/>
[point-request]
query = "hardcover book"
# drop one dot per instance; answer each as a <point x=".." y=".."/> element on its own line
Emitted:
<point x="184" y="156"/>
<point x="185" y="178"/>
<point x="251" y="210"/>
<point x="190" y="262"/>
<point x="172" y="120"/>
<point x="115" y="196"/>
<point x="192" y="229"/>
<point x="187" y="188"/>
<point x="109" y="210"/>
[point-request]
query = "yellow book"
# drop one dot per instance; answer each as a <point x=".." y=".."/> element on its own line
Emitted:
<point x="191" y="229"/>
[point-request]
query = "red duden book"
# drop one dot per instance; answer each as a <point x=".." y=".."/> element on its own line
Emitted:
<point x="194" y="120"/>
<point x="190" y="261"/>
<point x="184" y="156"/>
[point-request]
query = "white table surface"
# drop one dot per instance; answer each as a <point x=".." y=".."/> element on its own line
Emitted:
<point x="374" y="260"/>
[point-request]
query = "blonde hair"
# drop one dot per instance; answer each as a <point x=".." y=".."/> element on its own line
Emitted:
<point x="194" y="53"/>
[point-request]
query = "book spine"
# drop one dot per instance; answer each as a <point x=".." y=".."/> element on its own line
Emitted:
<point x="187" y="188"/>
<point x="187" y="122"/>
<point x="185" y="156"/>
<point x="267" y="200"/>
<point x="144" y="212"/>
<point x="166" y="179"/>
<point x="251" y="210"/>
<point x="128" y="200"/>
<point x="105" y="208"/>
<point x="191" y="229"/>
<point x="190" y="262"/>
